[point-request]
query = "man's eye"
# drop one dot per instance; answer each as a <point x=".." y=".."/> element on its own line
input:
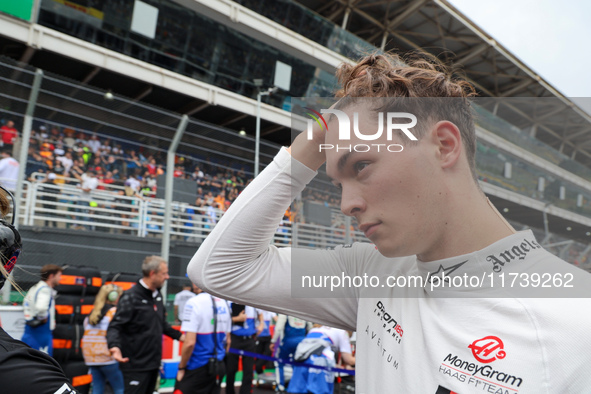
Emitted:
<point x="360" y="166"/>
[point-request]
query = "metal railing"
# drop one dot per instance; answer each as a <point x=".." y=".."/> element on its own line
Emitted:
<point x="111" y="210"/>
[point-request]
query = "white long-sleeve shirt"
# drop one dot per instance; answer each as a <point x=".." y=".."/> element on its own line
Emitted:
<point x="38" y="303"/>
<point x="411" y="339"/>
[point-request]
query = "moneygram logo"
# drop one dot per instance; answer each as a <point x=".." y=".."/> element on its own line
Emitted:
<point x="388" y="123"/>
<point x="488" y="349"/>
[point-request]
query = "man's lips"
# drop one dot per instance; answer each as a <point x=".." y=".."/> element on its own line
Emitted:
<point x="369" y="228"/>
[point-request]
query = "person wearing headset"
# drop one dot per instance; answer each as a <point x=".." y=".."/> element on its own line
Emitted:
<point x="22" y="368"/>
<point x="103" y="367"/>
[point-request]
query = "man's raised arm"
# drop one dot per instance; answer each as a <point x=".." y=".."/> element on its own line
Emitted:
<point x="237" y="262"/>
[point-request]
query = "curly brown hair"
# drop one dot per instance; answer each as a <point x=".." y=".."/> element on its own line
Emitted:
<point x="418" y="83"/>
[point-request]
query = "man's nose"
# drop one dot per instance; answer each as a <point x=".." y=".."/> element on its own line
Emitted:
<point x="352" y="202"/>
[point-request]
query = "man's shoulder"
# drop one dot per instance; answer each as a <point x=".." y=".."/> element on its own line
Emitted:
<point x="133" y="293"/>
<point x="37" y="286"/>
<point x="199" y="299"/>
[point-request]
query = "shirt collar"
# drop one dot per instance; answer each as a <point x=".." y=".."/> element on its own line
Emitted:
<point x="506" y="255"/>
<point x="154" y="293"/>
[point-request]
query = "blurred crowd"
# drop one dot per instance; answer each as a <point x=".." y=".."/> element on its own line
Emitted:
<point x="63" y="155"/>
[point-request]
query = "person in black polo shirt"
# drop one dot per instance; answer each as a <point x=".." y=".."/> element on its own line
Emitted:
<point x="134" y="336"/>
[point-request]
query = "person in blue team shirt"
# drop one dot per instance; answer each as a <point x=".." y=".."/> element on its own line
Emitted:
<point x="321" y="347"/>
<point x="289" y="332"/>
<point x="244" y="331"/>
<point x="201" y="368"/>
<point x="263" y="341"/>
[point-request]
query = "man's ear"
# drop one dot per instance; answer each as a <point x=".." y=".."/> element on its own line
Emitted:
<point x="449" y="143"/>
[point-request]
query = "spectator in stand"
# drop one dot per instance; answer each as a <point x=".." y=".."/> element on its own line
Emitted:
<point x="59" y="150"/>
<point x="145" y="190"/>
<point x="209" y="200"/>
<point x="215" y="185"/>
<point x="133" y="183"/>
<point x="69" y="137"/>
<point x="220" y="200"/>
<point x="34" y="163"/>
<point x="114" y="165"/>
<point x="107" y="179"/>
<point x="56" y="135"/>
<point x="132" y="162"/>
<point x="50" y="194"/>
<point x="97" y="163"/>
<point x="197" y="174"/>
<point x="8" y="169"/>
<point x="152" y="166"/>
<point x="233" y="195"/>
<point x="81" y="138"/>
<point x="43" y="135"/>
<point x="178" y="172"/>
<point x="106" y="147"/>
<point x="66" y="160"/>
<point x="9" y="134"/>
<point x="94" y="144"/>
<point x="212" y="216"/>
<point x="103" y="367"/>
<point x="47" y="154"/>
<point x="89" y="182"/>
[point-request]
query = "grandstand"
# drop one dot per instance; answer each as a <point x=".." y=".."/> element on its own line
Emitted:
<point x="108" y="78"/>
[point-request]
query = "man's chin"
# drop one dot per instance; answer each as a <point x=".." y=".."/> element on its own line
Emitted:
<point x="390" y="251"/>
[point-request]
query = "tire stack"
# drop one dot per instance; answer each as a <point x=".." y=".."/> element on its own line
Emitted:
<point x="125" y="280"/>
<point x="73" y="303"/>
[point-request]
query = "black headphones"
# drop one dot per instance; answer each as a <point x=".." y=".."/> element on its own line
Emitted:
<point x="10" y="242"/>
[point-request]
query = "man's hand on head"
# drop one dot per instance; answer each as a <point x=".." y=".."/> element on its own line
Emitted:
<point x="308" y="151"/>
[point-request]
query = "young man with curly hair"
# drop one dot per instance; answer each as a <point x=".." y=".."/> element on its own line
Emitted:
<point x="428" y="219"/>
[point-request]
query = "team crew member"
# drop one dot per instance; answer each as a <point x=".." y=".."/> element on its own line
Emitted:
<point x="425" y="213"/>
<point x="103" y="367"/>
<point x="39" y="308"/>
<point x="23" y="369"/>
<point x="134" y="336"/>
<point x="289" y="332"/>
<point x="180" y="299"/>
<point x="263" y="341"/>
<point x="322" y="346"/>
<point x="244" y="330"/>
<point x="201" y="368"/>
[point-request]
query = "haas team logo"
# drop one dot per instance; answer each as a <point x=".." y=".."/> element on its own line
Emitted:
<point x="488" y="349"/>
